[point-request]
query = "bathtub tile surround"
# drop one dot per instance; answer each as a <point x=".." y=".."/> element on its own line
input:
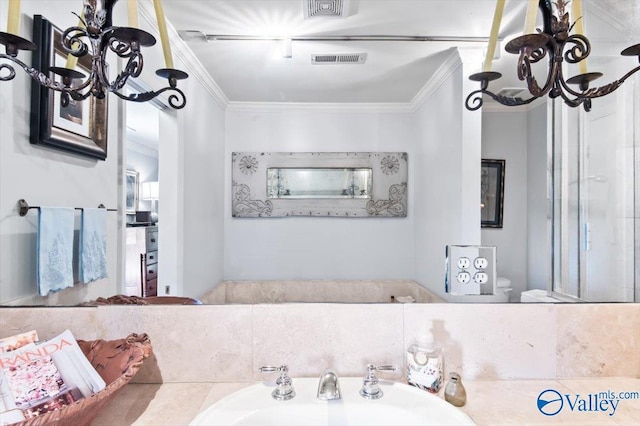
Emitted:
<point x="340" y="291"/>
<point x="599" y="340"/>
<point x="311" y="337"/>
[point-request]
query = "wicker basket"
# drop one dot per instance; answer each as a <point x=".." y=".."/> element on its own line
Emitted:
<point x="117" y="361"/>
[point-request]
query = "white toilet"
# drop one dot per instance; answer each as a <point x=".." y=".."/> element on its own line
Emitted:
<point x="503" y="288"/>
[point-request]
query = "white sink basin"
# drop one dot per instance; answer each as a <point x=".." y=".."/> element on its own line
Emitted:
<point x="401" y="405"/>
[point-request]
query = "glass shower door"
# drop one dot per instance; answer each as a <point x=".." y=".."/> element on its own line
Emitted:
<point x="595" y="198"/>
<point x="607" y="180"/>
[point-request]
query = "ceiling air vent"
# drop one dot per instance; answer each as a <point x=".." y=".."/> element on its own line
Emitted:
<point x="320" y="8"/>
<point x="339" y="58"/>
<point x="512" y="92"/>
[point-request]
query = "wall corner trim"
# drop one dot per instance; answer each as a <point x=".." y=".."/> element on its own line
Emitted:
<point x="452" y="63"/>
<point x="181" y="50"/>
<point x="337" y="107"/>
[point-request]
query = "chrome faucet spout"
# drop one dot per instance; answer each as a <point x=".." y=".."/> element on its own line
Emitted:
<point x="329" y="386"/>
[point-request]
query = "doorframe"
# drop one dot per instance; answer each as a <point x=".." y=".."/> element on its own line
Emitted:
<point x="168" y="117"/>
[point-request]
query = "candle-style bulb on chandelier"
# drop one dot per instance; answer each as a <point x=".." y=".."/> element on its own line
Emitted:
<point x="95" y="36"/>
<point x="556" y="42"/>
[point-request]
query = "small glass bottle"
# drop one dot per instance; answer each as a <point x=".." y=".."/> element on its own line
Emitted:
<point x="454" y="392"/>
<point x="425" y="364"/>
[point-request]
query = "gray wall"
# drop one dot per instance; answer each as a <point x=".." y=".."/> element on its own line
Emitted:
<point x="504" y="137"/>
<point x="438" y="183"/>
<point x="362" y="248"/>
<point x="519" y="137"/>
<point x="312" y="247"/>
<point x="538" y="243"/>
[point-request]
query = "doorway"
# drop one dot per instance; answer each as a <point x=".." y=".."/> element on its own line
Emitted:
<point x="151" y="246"/>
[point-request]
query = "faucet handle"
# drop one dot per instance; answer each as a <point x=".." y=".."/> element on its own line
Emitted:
<point x="284" y="385"/>
<point x="370" y="384"/>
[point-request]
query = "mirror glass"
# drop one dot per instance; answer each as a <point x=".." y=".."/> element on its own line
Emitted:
<point x="319" y="183"/>
<point x="593" y="209"/>
<point x="594" y="206"/>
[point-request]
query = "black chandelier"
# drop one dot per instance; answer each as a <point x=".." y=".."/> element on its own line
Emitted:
<point x="554" y="40"/>
<point x="95" y="36"/>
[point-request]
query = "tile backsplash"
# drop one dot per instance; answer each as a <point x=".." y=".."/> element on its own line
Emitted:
<point x="223" y="343"/>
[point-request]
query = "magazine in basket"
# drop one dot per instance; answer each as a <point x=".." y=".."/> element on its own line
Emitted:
<point x="36" y="379"/>
<point x="12" y="343"/>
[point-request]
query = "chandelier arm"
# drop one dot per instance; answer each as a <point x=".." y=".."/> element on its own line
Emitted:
<point x="79" y="96"/>
<point x="580" y="51"/>
<point x="177" y="100"/>
<point x="137" y="64"/>
<point x="600" y="91"/>
<point x="528" y="56"/>
<point x="101" y="68"/>
<point x="93" y="36"/>
<point x="11" y="70"/>
<point x="586" y="102"/>
<point x="121" y="48"/>
<point x="477" y="101"/>
<point x="532" y="84"/>
<point x="119" y="81"/>
<point x="537" y="55"/>
<point x="72" y="36"/>
<point x="40" y="77"/>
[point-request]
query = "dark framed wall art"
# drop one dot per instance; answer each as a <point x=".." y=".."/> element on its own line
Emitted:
<point x="81" y="126"/>
<point x="492" y="193"/>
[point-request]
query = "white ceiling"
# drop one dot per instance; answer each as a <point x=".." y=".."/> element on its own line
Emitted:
<point x="255" y="71"/>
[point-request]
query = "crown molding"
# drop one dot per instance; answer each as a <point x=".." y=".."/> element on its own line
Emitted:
<point x="181" y="50"/>
<point x="380" y="107"/>
<point x="444" y="71"/>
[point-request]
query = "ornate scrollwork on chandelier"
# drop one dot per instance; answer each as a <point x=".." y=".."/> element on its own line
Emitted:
<point x="559" y="46"/>
<point x="95" y="37"/>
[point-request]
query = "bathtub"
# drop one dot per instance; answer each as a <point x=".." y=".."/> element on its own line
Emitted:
<point x="319" y="291"/>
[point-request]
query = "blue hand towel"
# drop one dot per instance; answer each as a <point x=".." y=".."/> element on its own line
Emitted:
<point x="55" y="249"/>
<point x="93" y="245"/>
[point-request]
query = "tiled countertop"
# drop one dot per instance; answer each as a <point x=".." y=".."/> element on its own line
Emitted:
<point x="489" y="402"/>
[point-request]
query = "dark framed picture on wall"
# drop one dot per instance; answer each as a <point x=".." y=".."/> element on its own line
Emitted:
<point x="492" y="193"/>
<point x="80" y="126"/>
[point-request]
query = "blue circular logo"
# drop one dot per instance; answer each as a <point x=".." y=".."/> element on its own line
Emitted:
<point x="550" y="402"/>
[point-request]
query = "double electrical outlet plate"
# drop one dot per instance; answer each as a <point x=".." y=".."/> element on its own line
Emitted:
<point x="470" y="270"/>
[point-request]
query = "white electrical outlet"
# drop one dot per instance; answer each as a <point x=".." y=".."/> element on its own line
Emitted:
<point x="463" y="277"/>
<point x="463" y="263"/>
<point x="480" y="277"/>
<point x="480" y="263"/>
<point x="470" y="270"/>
